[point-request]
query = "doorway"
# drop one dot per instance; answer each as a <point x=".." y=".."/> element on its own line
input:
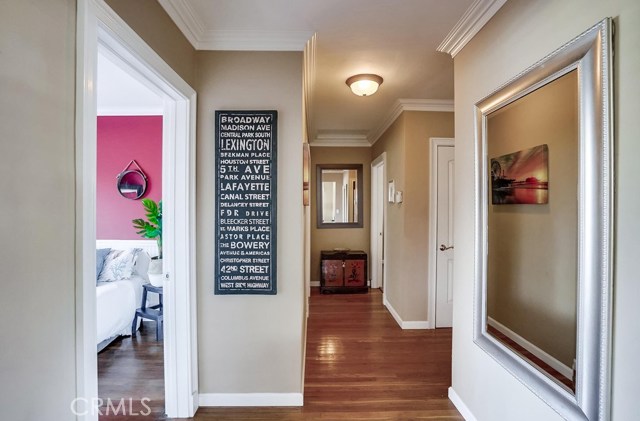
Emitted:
<point x="378" y="225"/>
<point x="101" y="28"/>
<point x="441" y="248"/>
<point x="129" y="133"/>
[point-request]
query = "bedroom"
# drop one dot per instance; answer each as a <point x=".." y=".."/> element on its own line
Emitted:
<point x="129" y="170"/>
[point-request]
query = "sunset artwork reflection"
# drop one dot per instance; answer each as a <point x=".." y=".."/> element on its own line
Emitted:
<point x="521" y="177"/>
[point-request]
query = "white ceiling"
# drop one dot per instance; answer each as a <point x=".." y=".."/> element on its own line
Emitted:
<point x="119" y="93"/>
<point x="396" y="39"/>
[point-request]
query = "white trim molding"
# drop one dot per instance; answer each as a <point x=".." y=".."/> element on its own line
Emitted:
<point x="433" y="105"/>
<point x="251" y="399"/>
<point x="460" y="405"/>
<point x="100" y="28"/>
<point x="309" y="85"/>
<point x="185" y="19"/>
<point x="405" y="325"/>
<point x="252" y="40"/>
<point x="355" y="139"/>
<point x="202" y="38"/>
<point x="130" y="111"/>
<point x="544" y="356"/>
<point x="476" y="16"/>
<point x="341" y="140"/>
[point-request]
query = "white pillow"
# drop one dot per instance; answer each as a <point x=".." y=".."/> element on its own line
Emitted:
<point x="141" y="266"/>
<point x="118" y="265"/>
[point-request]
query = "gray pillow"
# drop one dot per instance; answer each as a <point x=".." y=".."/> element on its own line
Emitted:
<point x="101" y="254"/>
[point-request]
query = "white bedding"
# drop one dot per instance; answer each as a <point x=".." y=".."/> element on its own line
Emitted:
<point x="116" y="304"/>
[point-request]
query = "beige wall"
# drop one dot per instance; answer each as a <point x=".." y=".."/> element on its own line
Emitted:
<point x="406" y="143"/>
<point x="519" y="35"/>
<point x="252" y="344"/>
<point x="330" y="238"/>
<point x="392" y="142"/>
<point x="532" y="249"/>
<point x="37" y="181"/>
<point x="152" y="23"/>
<point x="246" y="344"/>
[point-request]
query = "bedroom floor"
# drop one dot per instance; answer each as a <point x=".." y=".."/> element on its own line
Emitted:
<point x="132" y="368"/>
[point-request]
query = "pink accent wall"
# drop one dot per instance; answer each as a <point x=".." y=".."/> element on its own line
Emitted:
<point x="121" y="139"/>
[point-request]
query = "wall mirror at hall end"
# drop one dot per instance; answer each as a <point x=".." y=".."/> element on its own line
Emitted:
<point x="339" y="190"/>
<point x="543" y="226"/>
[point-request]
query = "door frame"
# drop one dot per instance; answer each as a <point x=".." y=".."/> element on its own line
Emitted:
<point x="99" y="27"/>
<point x="375" y="209"/>
<point x="434" y="144"/>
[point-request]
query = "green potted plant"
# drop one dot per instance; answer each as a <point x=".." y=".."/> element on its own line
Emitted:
<point x="152" y="229"/>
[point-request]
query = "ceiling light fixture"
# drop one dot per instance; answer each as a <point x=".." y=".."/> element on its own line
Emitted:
<point x="364" y="84"/>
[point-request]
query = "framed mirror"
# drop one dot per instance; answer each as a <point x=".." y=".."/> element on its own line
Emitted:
<point x="132" y="184"/>
<point x="339" y="201"/>
<point x="544" y="188"/>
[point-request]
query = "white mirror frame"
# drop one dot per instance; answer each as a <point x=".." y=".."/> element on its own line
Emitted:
<point x="591" y="54"/>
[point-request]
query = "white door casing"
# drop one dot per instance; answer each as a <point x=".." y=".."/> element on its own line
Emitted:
<point x="100" y="27"/>
<point x="441" y="251"/>
<point x="378" y="203"/>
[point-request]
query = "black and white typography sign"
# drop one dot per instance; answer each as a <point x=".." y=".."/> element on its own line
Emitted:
<point x="246" y="180"/>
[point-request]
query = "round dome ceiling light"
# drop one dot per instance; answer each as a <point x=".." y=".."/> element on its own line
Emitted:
<point x="364" y="84"/>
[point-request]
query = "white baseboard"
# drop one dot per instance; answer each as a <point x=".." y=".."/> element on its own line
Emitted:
<point x="460" y="406"/>
<point x="314" y="283"/>
<point x="546" y="358"/>
<point x="250" y="399"/>
<point x="412" y="324"/>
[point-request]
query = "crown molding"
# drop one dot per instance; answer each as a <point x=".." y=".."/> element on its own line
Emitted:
<point x="433" y="105"/>
<point x="202" y="38"/>
<point x="185" y="19"/>
<point x="476" y="16"/>
<point x="338" y="139"/>
<point x="251" y="40"/>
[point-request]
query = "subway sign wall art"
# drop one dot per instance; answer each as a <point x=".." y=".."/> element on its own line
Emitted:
<point x="246" y="199"/>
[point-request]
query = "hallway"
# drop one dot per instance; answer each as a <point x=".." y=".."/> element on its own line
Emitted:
<point x="361" y="365"/>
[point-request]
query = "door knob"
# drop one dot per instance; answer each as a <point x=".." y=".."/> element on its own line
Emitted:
<point x="443" y="247"/>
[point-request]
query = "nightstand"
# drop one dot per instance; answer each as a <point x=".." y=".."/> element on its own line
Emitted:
<point x="152" y="312"/>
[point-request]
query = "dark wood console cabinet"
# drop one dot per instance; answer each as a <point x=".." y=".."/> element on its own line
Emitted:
<point x="343" y="272"/>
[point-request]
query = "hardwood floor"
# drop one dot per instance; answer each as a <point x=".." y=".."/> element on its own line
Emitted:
<point x="533" y="360"/>
<point x="359" y="366"/>
<point x="132" y="369"/>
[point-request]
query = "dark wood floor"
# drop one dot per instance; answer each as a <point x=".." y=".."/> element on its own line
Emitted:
<point x="132" y="369"/>
<point x="359" y="366"/>
<point x="533" y="360"/>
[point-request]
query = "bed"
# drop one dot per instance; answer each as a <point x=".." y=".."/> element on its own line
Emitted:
<point x="117" y="300"/>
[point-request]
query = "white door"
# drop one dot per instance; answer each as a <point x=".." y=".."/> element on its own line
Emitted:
<point x="444" y="236"/>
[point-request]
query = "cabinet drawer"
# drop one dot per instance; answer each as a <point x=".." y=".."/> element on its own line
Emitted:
<point x="354" y="273"/>
<point x="332" y="273"/>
